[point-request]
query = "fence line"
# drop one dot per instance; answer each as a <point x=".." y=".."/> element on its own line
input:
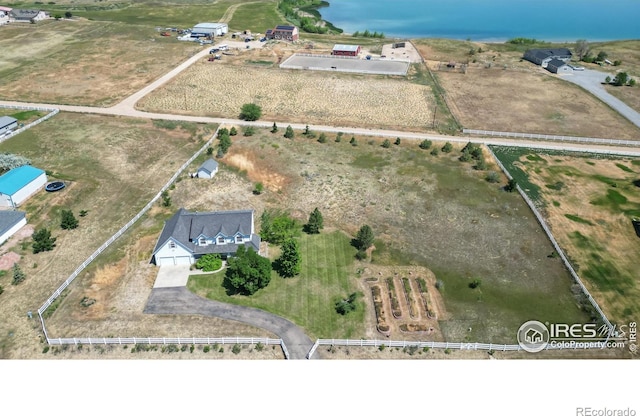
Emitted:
<point x="556" y="246"/>
<point x="595" y="140"/>
<point x="50" y="113"/>
<point x="163" y="341"/>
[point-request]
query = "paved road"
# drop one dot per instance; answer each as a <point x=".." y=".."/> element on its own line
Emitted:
<point x="180" y="301"/>
<point x="592" y="81"/>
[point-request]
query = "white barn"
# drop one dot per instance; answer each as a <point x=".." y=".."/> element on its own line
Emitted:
<point x="10" y="223"/>
<point x="209" y="29"/>
<point x="19" y="184"/>
<point x="7" y="124"/>
<point x="208" y="169"/>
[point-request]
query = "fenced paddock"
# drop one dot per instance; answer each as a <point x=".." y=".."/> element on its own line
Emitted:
<point x="591" y="140"/>
<point x="50" y="113"/>
<point x="346" y="64"/>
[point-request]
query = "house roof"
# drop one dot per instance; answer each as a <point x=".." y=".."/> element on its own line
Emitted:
<point x="210" y="166"/>
<point x="186" y="226"/>
<point x="547" y="53"/>
<point x="349" y="48"/>
<point x="8" y="219"/>
<point x="24" y="14"/>
<point x="6" y="120"/>
<point x="210" y="25"/>
<point x="17" y="178"/>
<point x="285" y="28"/>
<point x="5" y="9"/>
<point x="556" y="63"/>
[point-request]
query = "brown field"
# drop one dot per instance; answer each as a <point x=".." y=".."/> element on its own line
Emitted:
<point x="602" y="241"/>
<point x="629" y="95"/>
<point x="221" y="88"/>
<point x="84" y="62"/>
<point x="530" y="102"/>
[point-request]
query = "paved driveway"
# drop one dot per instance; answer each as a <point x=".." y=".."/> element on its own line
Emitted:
<point x="172" y="276"/>
<point x="180" y="301"/>
<point x="591" y="80"/>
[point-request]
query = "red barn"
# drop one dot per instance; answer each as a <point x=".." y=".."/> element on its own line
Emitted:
<point x="283" y="32"/>
<point x="346" y="50"/>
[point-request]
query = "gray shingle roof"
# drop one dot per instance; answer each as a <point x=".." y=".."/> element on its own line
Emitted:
<point x="8" y="219"/>
<point x="24" y="14"/>
<point x="209" y="166"/>
<point x="186" y="226"/>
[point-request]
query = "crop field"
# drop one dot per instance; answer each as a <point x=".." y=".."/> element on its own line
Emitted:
<point x="84" y="62"/>
<point x="112" y="167"/>
<point x="589" y="203"/>
<point x="425" y="210"/>
<point x="220" y="89"/>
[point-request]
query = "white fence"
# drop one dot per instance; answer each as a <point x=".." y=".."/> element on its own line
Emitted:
<point x="50" y="113"/>
<point x="593" y="140"/>
<point x="556" y="246"/>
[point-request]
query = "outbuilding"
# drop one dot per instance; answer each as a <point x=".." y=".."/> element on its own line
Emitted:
<point x="7" y="124"/>
<point x="10" y="223"/>
<point x="19" y="184"/>
<point x="21" y="15"/>
<point x="345" y="50"/>
<point x="202" y="30"/>
<point x="558" y="67"/>
<point x="208" y="169"/>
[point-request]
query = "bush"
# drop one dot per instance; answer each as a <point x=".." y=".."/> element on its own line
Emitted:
<point x="475" y="283"/>
<point x="250" y="112"/>
<point x="493" y="177"/>
<point x="259" y="188"/>
<point x="18" y="274"/>
<point x="68" y="15"/>
<point x="236" y="349"/>
<point x="259" y="346"/>
<point x="344" y="306"/>
<point x="209" y="262"/>
<point x="511" y="186"/>
<point x="206" y="348"/>
<point x="435" y="152"/>
<point x="322" y="138"/>
<point x="248" y="131"/>
<point x="289" y="134"/>
<point x="274" y="129"/>
<point x="386" y="144"/>
<point x="69" y="221"/>
<point x="361" y="255"/>
<point x="353" y="141"/>
<point x="440" y="285"/>
<point x="1" y="289"/>
<point x="448" y="147"/>
<point x="233" y="131"/>
<point x="42" y="241"/>
<point x="397" y="142"/>
<point x="425" y="144"/>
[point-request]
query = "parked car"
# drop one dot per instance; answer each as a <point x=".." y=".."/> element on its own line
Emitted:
<point x="263" y="39"/>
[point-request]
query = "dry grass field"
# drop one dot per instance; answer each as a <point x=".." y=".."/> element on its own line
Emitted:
<point x="221" y="88"/>
<point x="589" y="204"/>
<point x="84" y="62"/>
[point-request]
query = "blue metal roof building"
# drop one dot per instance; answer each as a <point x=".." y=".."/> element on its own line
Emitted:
<point x="20" y="183"/>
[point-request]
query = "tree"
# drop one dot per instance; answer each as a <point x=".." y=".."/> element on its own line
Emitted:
<point x="1" y="289"/>
<point x="364" y="238"/>
<point x="397" y="142"/>
<point x="233" y="131"/>
<point x="316" y="222"/>
<point x="602" y="55"/>
<point x="493" y="177"/>
<point x="69" y="221"/>
<point x="306" y="130"/>
<point x="42" y="241"/>
<point x="621" y="79"/>
<point x="448" y="147"/>
<point x="276" y="227"/>
<point x="18" y="274"/>
<point x="322" y="138"/>
<point x="607" y="80"/>
<point x="247" y="272"/>
<point x="259" y="188"/>
<point x="582" y="48"/>
<point x="344" y="306"/>
<point x="68" y="15"/>
<point x="274" y="129"/>
<point x="435" y="151"/>
<point x="289" y="134"/>
<point x="166" y="199"/>
<point x="511" y="186"/>
<point x="250" y="112"/>
<point x="632" y="82"/>
<point x="209" y="262"/>
<point x="386" y="144"/>
<point x="425" y="144"/>
<point x="288" y="264"/>
<point x="465" y="157"/>
<point x="248" y="131"/>
<point x="224" y="144"/>
<point x="353" y="141"/>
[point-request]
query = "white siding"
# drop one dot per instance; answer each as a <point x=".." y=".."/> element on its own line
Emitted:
<point x="170" y="256"/>
<point x="5" y="200"/>
<point x="29" y="189"/>
<point x="13" y="230"/>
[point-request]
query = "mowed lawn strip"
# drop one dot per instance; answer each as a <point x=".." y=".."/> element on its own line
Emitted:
<point x="307" y="299"/>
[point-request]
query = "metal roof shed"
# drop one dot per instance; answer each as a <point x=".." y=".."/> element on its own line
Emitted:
<point x="19" y="184"/>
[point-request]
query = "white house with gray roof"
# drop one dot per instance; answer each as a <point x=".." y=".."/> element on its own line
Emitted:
<point x="10" y="223"/>
<point x="188" y="236"/>
<point x="7" y="124"/>
<point x="208" y="169"/>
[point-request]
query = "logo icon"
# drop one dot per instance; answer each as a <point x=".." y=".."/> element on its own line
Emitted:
<point x="533" y="336"/>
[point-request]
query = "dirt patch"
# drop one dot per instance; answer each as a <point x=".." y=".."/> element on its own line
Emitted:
<point x="255" y="172"/>
<point x="7" y="260"/>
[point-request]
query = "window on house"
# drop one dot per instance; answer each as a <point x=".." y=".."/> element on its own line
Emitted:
<point x="172" y="244"/>
<point x="220" y="240"/>
<point x="238" y="239"/>
<point x="202" y="241"/>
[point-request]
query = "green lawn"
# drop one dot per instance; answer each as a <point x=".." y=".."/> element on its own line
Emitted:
<point x="307" y="299"/>
<point x="257" y="17"/>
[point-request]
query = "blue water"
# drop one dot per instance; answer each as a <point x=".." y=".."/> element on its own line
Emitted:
<point x="490" y="20"/>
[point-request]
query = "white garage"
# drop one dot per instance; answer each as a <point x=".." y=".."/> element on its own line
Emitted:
<point x="10" y="223"/>
<point x="19" y="184"/>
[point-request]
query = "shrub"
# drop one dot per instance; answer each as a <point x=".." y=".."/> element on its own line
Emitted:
<point x="353" y="141"/>
<point x="435" y="152"/>
<point x="18" y="274"/>
<point x="166" y="199"/>
<point x="248" y="131"/>
<point x="511" y="186"/>
<point x="361" y="255"/>
<point x="386" y="144"/>
<point x="274" y="129"/>
<point x="209" y="262"/>
<point x="69" y="221"/>
<point x="206" y="348"/>
<point x="1" y="289"/>
<point x="448" y="147"/>
<point x="425" y="144"/>
<point x="475" y="283"/>
<point x="259" y="188"/>
<point x="250" y="112"/>
<point x="42" y="241"/>
<point x="397" y="142"/>
<point x="259" y="346"/>
<point x="233" y="131"/>
<point x="68" y="15"/>
<point x="322" y="138"/>
<point x="236" y="349"/>
<point x="440" y="285"/>
<point x="493" y="177"/>
<point x="289" y="134"/>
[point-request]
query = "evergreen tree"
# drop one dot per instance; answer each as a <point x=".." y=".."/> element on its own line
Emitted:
<point x="69" y="221"/>
<point x="18" y="274"/>
<point x="289" y="133"/>
<point x="364" y="238"/>
<point x="316" y="222"/>
<point x="288" y="264"/>
<point x="42" y="241"/>
<point x="274" y="129"/>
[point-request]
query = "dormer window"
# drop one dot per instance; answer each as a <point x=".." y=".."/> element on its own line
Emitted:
<point x="220" y="240"/>
<point x="238" y="239"/>
<point x="202" y="241"/>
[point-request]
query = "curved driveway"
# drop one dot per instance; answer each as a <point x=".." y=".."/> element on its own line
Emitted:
<point x="180" y="301"/>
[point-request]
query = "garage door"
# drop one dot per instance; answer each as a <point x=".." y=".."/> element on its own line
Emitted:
<point x="183" y="260"/>
<point x="166" y="261"/>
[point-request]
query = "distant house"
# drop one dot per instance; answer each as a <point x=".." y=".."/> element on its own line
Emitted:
<point x="10" y="223"/>
<point x="21" y="15"/>
<point x="4" y="14"/>
<point x="19" y="184"/>
<point x="283" y="32"/>
<point x="209" y="29"/>
<point x="345" y="50"/>
<point x="543" y="56"/>
<point x="208" y="169"/>
<point x="557" y="66"/>
<point x="7" y="124"/>
<point x="188" y="236"/>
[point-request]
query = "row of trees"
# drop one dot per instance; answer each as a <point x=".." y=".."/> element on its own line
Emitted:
<point x="367" y="34"/>
<point x="309" y="24"/>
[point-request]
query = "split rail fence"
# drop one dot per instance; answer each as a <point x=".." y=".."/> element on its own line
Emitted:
<point x="593" y="140"/>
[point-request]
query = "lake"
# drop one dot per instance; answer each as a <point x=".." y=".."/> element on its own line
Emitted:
<point x="490" y="20"/>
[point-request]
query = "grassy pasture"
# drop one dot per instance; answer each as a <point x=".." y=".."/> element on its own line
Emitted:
<point x="591" y="218"/>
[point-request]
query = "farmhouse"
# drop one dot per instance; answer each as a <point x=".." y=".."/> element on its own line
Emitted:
<point x="10" y="223"/>
<point x="543" y="56"/>
<point x="345" y="50"/>
<point x="557" y="66"/>
<point x="208" y="169"/>
<point x="202" y="30"/>
<point x="19" y="184"/>
<point x="189" y="235"/>
<point x="7" y="124"/>
<point x="283" y="32"/>
<point x="28" y="15"/>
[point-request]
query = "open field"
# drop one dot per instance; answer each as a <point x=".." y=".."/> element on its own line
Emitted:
<point x="112" y="167"/>
<point x="220" y="89"/>
<point x="466" y="227"/>
<point x="84" y="62"/>
<point x="589" y="203"/>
